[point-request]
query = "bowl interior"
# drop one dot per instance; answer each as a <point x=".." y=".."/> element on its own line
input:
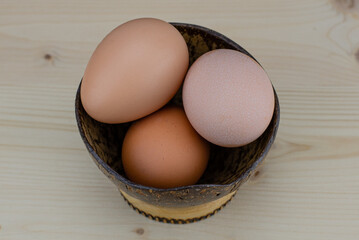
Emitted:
<point x="226" y="165"/>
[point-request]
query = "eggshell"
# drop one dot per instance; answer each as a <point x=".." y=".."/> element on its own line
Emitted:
<point x="163" y="150"/>
<point x="134" y="71"/>
<point x="228" y="98"/>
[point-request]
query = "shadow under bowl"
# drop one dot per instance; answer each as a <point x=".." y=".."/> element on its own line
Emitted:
<point x="227" y="168"/>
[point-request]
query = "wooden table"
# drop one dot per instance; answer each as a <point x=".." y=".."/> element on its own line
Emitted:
<point x="307" y="189"/>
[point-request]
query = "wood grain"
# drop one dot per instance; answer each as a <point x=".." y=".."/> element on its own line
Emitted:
<point x="308" y="188"/>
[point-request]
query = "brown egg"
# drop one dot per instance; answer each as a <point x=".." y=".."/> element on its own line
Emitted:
<point x="228" y="98"/>
<point x="164" y="151"/>
<point x="134" y="71"/>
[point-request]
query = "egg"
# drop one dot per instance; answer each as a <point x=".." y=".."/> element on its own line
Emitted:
<point x="135" y="70"/>
<point x="228" y="98"/>
<point x="164" y="151"/>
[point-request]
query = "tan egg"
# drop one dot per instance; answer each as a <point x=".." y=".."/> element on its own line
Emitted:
<point x="228" y="98"/>
<point x="163" y="150"/>
<point x="134" y="71"/>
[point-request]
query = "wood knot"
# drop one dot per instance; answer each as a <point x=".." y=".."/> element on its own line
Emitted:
<point x="347" y="6"/>
<point x="48" y="57"/>
<point x="255" y="176"/>
<point x="356" y="54"/>
<point x="347" y="3"/>
<point x="139" y="231"/>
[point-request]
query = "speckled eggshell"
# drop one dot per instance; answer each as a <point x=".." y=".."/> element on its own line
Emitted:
<point x="228" y="98"/>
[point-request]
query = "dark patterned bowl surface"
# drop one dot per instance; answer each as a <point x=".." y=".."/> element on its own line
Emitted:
<point x="227" y="169"/>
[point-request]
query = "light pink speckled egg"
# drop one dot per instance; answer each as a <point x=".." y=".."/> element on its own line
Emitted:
<point x="228" y="98"/>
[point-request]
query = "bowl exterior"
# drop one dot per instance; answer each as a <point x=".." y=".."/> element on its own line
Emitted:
<point x="171" y="205"/>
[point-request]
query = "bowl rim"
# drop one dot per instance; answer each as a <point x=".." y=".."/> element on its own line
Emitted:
<point x="117" y="176"/>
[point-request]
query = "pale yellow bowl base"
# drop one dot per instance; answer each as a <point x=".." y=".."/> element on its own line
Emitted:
<point x="177" y="215"/>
